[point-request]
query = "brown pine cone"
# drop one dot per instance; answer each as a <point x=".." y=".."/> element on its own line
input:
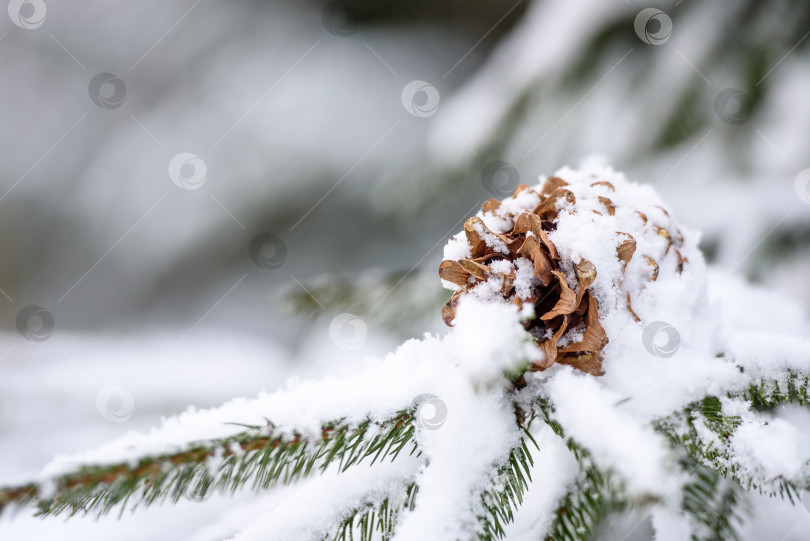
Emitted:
<point x="522" y="265"/>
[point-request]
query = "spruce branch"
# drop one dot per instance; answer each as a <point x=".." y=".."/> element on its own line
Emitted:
<point x="370" y="518"/>
<point x="592" y="494"/>
<point x="689" y="428"/>
<point x="584" y="506"/>
<point x="504" y="498"/>
<point x="716" y="505"/>
<point x="719" y="506"/>
<point x="794" y="388"/>
<point x="259" y="456"/>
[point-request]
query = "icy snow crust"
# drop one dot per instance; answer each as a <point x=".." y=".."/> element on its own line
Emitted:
<point x="610" y="415"/>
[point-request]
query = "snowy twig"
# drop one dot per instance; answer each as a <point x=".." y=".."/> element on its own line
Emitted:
<point x="257" y="456"/>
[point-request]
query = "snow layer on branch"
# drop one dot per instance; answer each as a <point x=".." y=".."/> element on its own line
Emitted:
<point x="553" y="470"/>
<point x="768" y="450"/>
<point x="463" y="371"/>
<point x="764" y="332"/>
<point x="479" y="433"/>
<point x="487" y="340"/>
<point x="763" y="447"/>
<point x="312" y="510"/>
<point x="591" y="414"/>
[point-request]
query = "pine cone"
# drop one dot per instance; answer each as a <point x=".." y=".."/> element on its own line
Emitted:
<point x="522" y="265"/>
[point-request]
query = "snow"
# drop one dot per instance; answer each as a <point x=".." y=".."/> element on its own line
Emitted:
<point x="477" y="435"/>
<point x="489" y="339"/>
<point x="490" y="239"/>
<point x="312" y="510"/>
<point x="490" y="290"/>
<point x="671" y="524"/>
<point x="457" y="247"/>
<point x="524" y="277"/>
<point x="593" y="416"/>
<point x="763" y="447"/>
<point x="553" y="471"/>
<point x="768" y="450"/>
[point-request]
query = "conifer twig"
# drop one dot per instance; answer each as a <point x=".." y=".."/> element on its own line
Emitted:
<point x="259" y="456"/>
<point x="371" y="518"/>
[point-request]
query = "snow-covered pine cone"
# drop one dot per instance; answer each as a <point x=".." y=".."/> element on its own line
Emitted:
<point x="507" y="252"/>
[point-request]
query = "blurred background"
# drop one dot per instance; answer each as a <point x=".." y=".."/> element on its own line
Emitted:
<point x="199" y="199"/>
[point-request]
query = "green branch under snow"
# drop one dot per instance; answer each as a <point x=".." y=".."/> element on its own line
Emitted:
<point x="502" y="500"/>
<point x="260" y="457"/>
<point x="715" y="506"/>
<point x="499" y="503"/>
<point x="588" y="498"/>
<point x="369" y="519"/>
<point x="794" y="388"/>
<point x="706" y="431"/>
